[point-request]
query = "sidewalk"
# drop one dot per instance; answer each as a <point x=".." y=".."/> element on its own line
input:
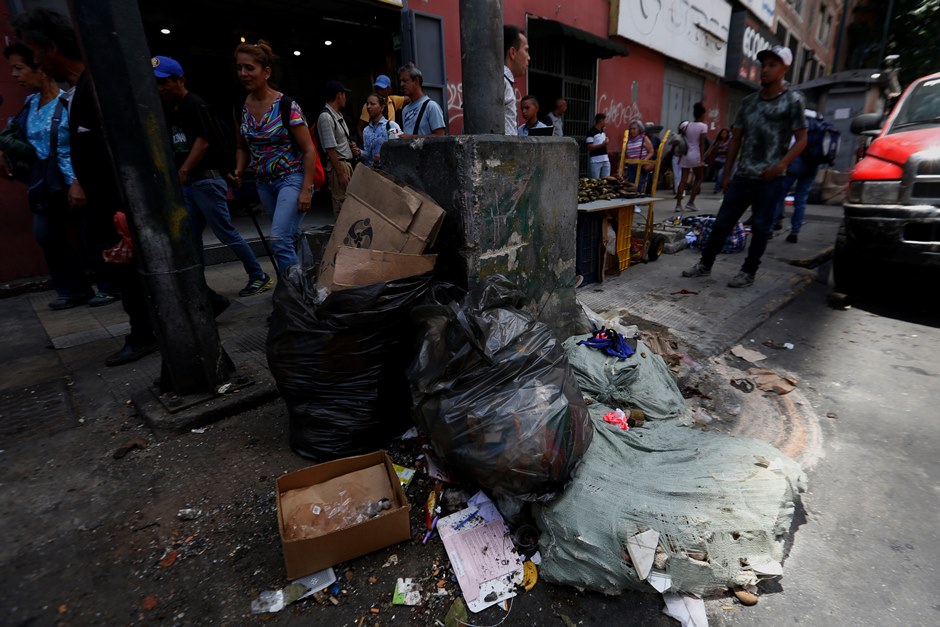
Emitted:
<point x="93" y="538"/>
<point x="43" y="344"/>
<point x="713" y="320"/>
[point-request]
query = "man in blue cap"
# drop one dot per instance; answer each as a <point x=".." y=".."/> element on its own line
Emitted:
<point x="201" y="152"/>
<point x="394" y="102"/>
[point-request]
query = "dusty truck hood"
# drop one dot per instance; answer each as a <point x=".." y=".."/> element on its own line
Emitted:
<point x="897" y="147"/>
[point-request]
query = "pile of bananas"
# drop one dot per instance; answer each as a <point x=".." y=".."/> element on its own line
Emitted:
<point x="605" y="189"/>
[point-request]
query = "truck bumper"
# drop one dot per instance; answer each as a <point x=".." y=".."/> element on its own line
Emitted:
<point x="901" y="234"/>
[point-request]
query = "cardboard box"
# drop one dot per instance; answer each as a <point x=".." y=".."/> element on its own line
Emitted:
<point x="362" y="266"/>
<point x="381" y="213"/>
<point x="363" y="476"/>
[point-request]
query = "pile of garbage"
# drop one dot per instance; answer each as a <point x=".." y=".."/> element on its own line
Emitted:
<point x="584" y="448"/>
<point x="605" y="189"/>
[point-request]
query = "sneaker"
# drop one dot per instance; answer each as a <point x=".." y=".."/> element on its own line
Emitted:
<point x="697" y="270"/>
<point x="691" y="207"/>
<point x="67" y="302"/>
<point x="103" y="298"/>
<point x="778" y="226"/>
<point x="793" y="238"/>
<point x="741" y="279"/>
<point x="678" y="208"/>
<point x="256" y="286"/>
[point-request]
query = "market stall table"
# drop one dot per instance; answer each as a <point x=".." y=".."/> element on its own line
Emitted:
<point x="622" y="210"/>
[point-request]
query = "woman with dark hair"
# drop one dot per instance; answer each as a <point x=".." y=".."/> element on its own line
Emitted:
<point x="283" y="158"/>
<point x="378" y="131"/>
<point x="718" y="154"/>
<point x="44" y="120"/>
<point x="693" y="168"/>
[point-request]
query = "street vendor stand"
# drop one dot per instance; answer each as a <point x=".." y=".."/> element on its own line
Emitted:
<point x="629" y="249"/>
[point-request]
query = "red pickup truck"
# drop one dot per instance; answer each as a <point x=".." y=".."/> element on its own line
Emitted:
<point x="892" y="207"/>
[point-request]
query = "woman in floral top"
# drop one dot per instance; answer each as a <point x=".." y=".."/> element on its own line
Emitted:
<point x="283" y="159"/>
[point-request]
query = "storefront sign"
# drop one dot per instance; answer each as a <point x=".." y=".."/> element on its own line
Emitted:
<point x="747" y="37"/>
<point x="762" y="10"/>
<point x="691" y="31"/>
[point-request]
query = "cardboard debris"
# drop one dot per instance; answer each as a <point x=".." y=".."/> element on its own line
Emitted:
<point x="660" y="581"/>
<point x="381" y="213"/>
<point x="310" y="545"/>
<point x="769" y="381"/>
<point x="360" y="266"/>
<point x="642" y="550"/>
<point x="688" y="610"/>
<point x="747" y="354"/>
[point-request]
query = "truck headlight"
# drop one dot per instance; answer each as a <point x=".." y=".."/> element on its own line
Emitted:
<point x="874" y="192"/>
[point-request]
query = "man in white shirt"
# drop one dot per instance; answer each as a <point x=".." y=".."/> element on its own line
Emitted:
<point x="597" y="147"/>
<point x="516" y="60"/>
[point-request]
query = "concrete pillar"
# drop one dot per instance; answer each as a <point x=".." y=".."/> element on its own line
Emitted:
<point x="511" y="209"/>
<point x="481" y="63"/>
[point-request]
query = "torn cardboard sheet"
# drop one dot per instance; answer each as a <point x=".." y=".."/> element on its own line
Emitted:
<point x="642" y="550"/>
<point x="769" y="381"/>
<point x="747" y="354"/>
<point x="381" y="213"/>
<point x="688" y="610"/>
<point x="480" y="550"/>
<point x="356" y="267"/>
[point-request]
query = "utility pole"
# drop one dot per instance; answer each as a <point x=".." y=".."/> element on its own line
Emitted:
<point x="116" y="55"/>
<point x="481" y="62"/>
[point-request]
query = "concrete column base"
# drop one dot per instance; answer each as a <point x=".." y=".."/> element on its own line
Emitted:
<point x="511" y="209"/>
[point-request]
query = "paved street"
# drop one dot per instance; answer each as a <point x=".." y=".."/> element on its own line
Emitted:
<point x="89" y="537"/>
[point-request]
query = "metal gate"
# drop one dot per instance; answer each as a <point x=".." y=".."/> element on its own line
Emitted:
<point x="569" y="69"/>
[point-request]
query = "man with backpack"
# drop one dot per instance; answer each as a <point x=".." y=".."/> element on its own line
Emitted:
<point x="334" y="140"/>
<point x="201" y="153"/>
<point x="822" y="145"/>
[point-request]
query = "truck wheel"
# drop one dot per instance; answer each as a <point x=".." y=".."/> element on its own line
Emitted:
<point x="847" y="274"/>
<point x="656" y="247"/>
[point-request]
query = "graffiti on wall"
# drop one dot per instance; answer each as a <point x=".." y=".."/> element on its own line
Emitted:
<point x="455" y="104"/>
<point x="695" y="31"/>
<point x="620" y="113"/>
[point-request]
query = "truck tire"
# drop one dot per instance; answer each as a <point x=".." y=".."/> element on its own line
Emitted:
<point x="847" y="274"/>
<point x="656" y="247"/>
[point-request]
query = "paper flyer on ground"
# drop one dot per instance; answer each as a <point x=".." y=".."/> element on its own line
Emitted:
<point x="481" y="552"/>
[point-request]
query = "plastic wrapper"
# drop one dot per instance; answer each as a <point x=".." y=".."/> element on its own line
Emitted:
<point x="340" y="364"/>
<point x="494" y="392"/>
<point x="318" y="518"/>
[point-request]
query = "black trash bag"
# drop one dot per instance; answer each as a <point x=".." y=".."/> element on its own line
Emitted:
<point x="340" y="364"/>
<point x="493" y="391"/>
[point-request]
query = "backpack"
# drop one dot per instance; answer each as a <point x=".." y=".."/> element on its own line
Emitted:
<point x="680" y="145"/>
<point x="319" y="176"/>
<point x="822" y="143"/>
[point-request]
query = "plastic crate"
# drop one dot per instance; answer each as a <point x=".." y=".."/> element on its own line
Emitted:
<point x="587" y="259"/>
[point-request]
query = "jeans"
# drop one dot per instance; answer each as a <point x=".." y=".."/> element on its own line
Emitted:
<point x="600" y="170"/>
<point x="629" y="176"/>
<point x="205" y="200"/>
<point x="58" y="233"/>
<point x="803" y="177"/>
<point x="279" y="198"/>
<point x="761" y="196"/>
